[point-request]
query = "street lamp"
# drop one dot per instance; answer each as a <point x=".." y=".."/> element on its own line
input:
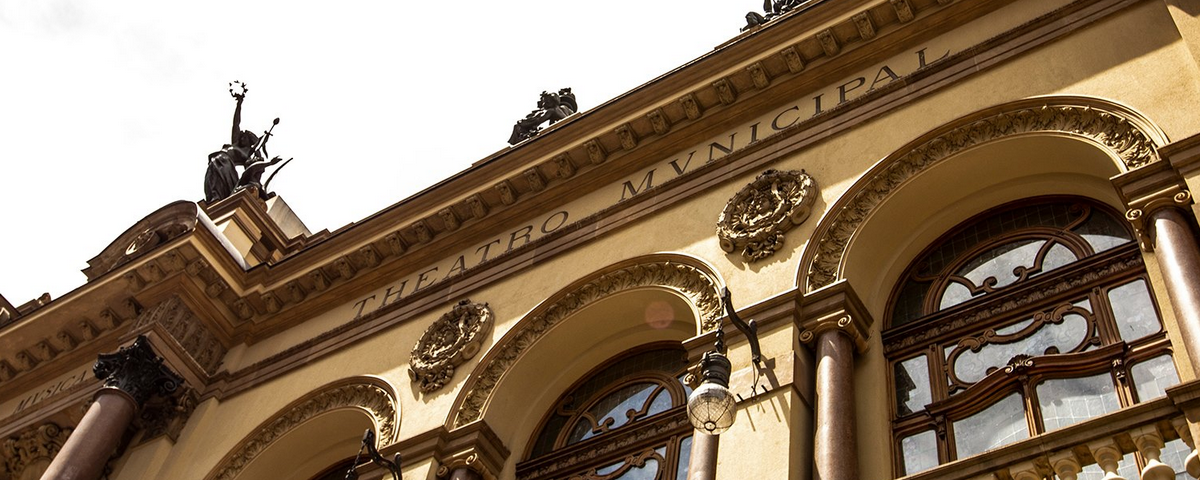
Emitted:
<point x="711" y="407"/>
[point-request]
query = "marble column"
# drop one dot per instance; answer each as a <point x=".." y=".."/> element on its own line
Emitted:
<point x="131" y="376"/>
<point x="1179" y="260"/>
<point x="835" y="325"/>
<point x="835" y="455"/>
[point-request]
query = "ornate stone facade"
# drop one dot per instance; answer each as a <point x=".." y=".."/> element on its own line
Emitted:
<point x="449" y="342"/>
<point x="184" y="327"/>
<point x="755" y="219"/>
<point x="32" y="445"/>
<point x="137" y="371"/>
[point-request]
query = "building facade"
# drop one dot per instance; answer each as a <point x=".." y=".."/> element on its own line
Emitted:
<point x="964" y="230"/>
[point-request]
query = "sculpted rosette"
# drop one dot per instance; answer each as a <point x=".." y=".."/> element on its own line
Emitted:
<point x="451" y="340"/>
<point x="756" y="218"/>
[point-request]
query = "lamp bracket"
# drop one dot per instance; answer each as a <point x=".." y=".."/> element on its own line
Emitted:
<point x="368" y="445"/>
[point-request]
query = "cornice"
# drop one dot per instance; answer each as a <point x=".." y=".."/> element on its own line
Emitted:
<point x="754" y="157"/>
<point x="292" y="282"/>
<point x="587" y="150"/>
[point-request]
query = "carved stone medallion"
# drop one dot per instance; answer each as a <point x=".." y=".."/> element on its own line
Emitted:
<point x="755" y="219"/>
<point x="451" y="340"/>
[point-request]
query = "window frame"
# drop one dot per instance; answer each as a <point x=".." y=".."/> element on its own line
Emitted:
<point x="630" y="442"/>
<point x="932" y="335"/>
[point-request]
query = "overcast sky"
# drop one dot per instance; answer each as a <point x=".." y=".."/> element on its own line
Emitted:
<point x="108" y="110"/>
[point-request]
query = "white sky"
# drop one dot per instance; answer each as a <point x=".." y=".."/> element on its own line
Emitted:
<point x="109" y="109"/>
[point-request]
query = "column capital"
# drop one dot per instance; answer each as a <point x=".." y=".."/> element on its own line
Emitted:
<point x="834" y="308"/>
<point x="1146" y="190"/>
<point x="136" y="371"/>
<point x="473" y="446"/>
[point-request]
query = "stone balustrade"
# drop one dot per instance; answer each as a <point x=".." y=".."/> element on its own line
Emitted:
<point x="1149" y="441"/>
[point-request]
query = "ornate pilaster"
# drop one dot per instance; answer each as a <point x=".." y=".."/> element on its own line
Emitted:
<point x="835" y="323"/>
<point x="472" y="452"/>
<point x="131" y="376"/>
<point x="33" y="447"/>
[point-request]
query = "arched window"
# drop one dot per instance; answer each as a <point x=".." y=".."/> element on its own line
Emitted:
<point x="1025" y="319"/>
<point x="626" y="420"/>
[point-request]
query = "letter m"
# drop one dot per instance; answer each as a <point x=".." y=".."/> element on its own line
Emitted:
<point x="628" y="188"/>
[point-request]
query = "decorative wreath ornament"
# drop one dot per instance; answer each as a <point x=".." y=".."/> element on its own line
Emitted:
<point x="756" y="218"/>
<point x="449" y="342"/>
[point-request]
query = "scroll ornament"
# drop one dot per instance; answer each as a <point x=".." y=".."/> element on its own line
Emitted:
<point x="755" y="219"/>
<point x="449" y="342"/>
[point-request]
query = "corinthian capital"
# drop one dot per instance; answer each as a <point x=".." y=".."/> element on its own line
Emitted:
<point x="137" y="371"/>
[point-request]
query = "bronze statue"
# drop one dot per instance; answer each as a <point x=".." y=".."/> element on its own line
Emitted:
<point x="552" y="107"/>
<point x="245" y="150"/>
<point x="771" y="10"/>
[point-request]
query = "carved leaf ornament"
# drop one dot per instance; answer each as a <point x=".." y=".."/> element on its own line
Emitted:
<point x="755" y="219"/>
<point x="40" y="442"/>
<point x="699" y="286"/>
<point x="369" y="395"/>
<point x="451" y="340"/>
<point x="1124" y="134"/>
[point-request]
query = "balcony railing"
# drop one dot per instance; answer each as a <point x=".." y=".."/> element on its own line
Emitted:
<point x="1148" y="441"/>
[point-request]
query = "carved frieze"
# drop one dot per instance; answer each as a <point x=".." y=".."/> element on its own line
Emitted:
<point x="35" y="444"/>
<point x="186" y="329"/>
<point x="1117" y="132"/>
<point x="755" y="219"/>
<point x="451" y="340"/>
